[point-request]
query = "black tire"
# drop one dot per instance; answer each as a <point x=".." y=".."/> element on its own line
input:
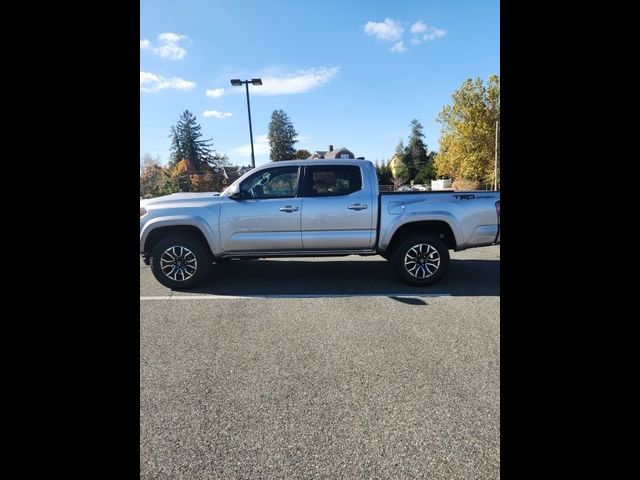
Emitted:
<point x="432" y="260"/>
<point x="176" y="245"/>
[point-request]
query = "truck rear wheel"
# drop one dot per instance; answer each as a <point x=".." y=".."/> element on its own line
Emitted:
<point x="421" y="260"/>
<point x="180" y="262"/>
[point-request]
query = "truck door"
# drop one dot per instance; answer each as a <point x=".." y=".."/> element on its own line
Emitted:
<point x="337" y="211"/>
<point x="267" y="216"/>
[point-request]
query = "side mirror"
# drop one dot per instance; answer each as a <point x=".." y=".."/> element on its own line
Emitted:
<point x="235" y="193"/>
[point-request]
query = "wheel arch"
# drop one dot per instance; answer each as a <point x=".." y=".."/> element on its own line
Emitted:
<point x="155" y="230"/>
<point x="438" y="228"/>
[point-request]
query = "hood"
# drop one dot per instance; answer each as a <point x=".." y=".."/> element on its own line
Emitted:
<point x="195" y="198"/>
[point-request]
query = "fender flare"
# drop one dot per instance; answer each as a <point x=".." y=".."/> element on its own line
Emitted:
<point x="441" y="216"/>
<point x="179" y="221"/>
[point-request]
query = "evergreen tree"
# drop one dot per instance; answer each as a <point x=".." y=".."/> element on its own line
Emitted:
<point x="385" y="176"/>
<point x="282" y="137"/>
<point x="416" y="158"/>
<point x="427" y="172"/>
<point x="186" y="144"/>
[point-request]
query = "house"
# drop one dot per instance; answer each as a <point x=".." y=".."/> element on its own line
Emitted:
<point x="234" y="172"/>
<point x="332" y="154"/>
<point x="394" y="163"/>
<point x="317" y="154"/>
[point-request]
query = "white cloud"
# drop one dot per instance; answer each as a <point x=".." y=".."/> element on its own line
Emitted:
<point x="167" y="46"/>
<point x="430" y="33"/>
<point x="398" y="47"/>
<point x="171" y="51"/>
<point x="260" y="147"/>
<point x="300" y="82"/>
<point x="215" y="92"/>
<point x="217" y="114"/>
<point x="169" y="37"/>
<point x="418" y="27"/>
<point x="434" y="33"/>
<point x="387" y="31"/>
<point x="150" y="82"/>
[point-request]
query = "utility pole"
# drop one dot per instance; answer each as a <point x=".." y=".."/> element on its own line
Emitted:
<point x="495" y="174"/>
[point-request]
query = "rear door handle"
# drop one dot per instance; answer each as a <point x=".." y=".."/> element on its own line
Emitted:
<point x="289" y="209"/>
<point x="357" y="206"/>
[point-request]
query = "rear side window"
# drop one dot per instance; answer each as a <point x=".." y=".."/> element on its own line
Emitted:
<point x="332" y="180"/>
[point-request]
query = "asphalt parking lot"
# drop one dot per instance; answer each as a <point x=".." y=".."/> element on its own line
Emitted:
<point x="322" y="368"/>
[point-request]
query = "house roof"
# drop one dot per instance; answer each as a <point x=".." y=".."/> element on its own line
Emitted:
<point x="337" y="151"/>
<point x="234" y="172"/>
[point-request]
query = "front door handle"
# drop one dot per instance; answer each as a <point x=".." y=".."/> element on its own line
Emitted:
<point x="357" y="206"/>
<point x="289" y="209"/>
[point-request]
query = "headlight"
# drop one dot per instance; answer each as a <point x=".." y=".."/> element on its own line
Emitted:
<point x="143" y="211"/>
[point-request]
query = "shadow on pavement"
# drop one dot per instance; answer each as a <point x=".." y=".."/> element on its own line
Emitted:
<point x="269" y="277"/>
<point x="409" y="300"/>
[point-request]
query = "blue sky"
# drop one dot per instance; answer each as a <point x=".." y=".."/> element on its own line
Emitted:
<point x="348" y="73"/>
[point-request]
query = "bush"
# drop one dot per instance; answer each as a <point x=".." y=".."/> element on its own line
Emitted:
<point x="462" y="185"/>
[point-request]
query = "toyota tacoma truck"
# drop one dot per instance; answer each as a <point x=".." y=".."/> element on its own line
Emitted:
<point x="310" y="208"/>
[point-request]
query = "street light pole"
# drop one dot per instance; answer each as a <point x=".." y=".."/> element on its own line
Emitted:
<point x="236" y="83"/>
<point x="253" y="157"/>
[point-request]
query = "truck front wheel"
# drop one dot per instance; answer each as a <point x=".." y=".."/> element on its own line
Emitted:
<point x="180" y="262"/>
<point x="421" y="260"/>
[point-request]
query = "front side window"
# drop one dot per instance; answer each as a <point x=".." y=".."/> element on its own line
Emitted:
<point x="277" y="182"/>
<point x="332" y="180"/>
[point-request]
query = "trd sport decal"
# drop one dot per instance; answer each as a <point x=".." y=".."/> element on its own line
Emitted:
<point x="470" y="196"/>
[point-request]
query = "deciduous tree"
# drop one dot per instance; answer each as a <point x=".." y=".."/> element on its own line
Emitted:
<point x="303" y="154"/>
<point x="467" y="140"/>
<point x="155" y="180"/>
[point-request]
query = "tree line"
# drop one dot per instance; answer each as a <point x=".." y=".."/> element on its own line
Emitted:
<point x="467" y="148"/>
<point x="412" y="163"/>
<point x="194" y="166"/>
<point x="467" y="142"/>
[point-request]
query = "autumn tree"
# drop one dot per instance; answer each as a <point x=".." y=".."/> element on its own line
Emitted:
<point x="467" y="140"/>
<point x="401" y="158"/>
<point x="182" y="172"/>
<point x="400" y="174"/>
<point x="208" y="182"/>
<point x="155" y="180"/>
<point x="282" y="137"/>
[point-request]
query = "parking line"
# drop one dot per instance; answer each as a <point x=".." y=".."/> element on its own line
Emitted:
<point x="330" y="295"/>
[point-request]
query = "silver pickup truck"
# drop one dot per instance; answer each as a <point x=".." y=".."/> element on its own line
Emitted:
<point x="314" y="208"/>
